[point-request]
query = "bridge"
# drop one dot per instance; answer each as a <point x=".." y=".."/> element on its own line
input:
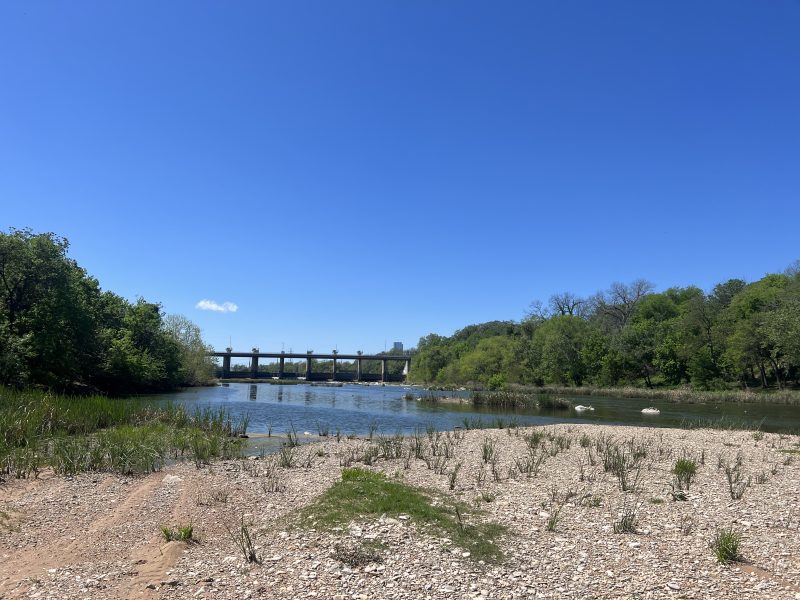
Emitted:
<point x="334" y="374"/>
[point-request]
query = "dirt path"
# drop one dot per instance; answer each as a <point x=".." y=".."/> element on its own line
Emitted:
<point x="48" y="547"/>
<point x="155" y="558"/>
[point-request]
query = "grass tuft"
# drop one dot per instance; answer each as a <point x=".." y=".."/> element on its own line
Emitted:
<point x="181" y="533"/>
<point x="725" y="545"/>
<point x="363" y="494"/>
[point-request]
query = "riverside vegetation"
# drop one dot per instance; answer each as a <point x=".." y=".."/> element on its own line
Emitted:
<point x="59" y="330"/>
<point x="95" y="433"/>
<point x="675" y="343"/>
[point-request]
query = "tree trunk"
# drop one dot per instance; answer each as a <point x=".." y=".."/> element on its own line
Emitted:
<point x="763" y="375"/>
<point x="777" y="370"/>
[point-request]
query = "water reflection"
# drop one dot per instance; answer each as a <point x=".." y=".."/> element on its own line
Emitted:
<point x="354" y="408"/>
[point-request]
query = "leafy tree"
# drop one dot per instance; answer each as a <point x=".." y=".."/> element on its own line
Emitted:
<point x="58" y="329"/>
<point x="491" y="356"/>
<point x="748" y="345"/>
<point x="560" y="342"/>
<point x="197" y="368"/>
<point x="738" y="334"/>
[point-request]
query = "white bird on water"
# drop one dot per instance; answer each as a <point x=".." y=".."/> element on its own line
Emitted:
<point x="651" y="411"/>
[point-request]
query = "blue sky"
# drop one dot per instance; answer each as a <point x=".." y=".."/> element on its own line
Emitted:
<point x="354" y="173"/>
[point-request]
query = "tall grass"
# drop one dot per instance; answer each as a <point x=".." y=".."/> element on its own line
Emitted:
<point x="96" y="433"/>
<point x="683" y="395"/>
<point x="504" y="400"/>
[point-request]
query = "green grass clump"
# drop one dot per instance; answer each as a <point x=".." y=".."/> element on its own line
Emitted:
<point x="181" y="533"/>
<point x="725" y="545"/>
<point x="362" y="494"/>
<point x="684" y="470"/>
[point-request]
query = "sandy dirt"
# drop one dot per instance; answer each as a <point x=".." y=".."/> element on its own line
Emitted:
<point x="98" y="535"/>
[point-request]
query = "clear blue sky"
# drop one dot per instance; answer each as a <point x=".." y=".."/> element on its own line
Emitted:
<point x="352" y="172"/>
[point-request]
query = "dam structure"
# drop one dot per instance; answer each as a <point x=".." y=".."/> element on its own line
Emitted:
<point x="289" y="365"/>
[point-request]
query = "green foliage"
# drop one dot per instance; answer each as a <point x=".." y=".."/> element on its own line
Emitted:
<point x="684" y="471"/>
<point x="559" y="342"/>
<point x="739" y="335"/>
<point x="59" y="330"/>
<point x="181" y="533"/>
<point x="725" y="545"/>
<point x="97" y="433"/>
<point x="362" y="494"/>
<point x="497" y="382"/>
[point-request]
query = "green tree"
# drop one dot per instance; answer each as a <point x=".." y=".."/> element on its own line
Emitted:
<point x="560" y="343"/>
<point x="197" y="368"/>
<point x="748" y="346"/>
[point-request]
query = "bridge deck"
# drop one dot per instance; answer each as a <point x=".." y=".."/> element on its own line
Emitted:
<point x="312" y="356"/>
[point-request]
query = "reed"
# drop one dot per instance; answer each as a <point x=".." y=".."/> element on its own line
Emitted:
<point x="678" y="395"/>
<point x="97" y="433"/>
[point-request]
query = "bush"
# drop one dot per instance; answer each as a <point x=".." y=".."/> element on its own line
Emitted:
<point x="497" y="382"/>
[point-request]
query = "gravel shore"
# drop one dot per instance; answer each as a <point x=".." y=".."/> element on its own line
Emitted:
<point x="99" y="535"/>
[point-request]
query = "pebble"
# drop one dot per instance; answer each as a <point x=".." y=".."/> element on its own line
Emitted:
<point x="584" y="558"/>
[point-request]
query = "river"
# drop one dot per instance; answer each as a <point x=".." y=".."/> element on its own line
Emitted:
<point x="359" y="409"/>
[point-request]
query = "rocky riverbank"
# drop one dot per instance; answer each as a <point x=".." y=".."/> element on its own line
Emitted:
<point x="571" y="530"/>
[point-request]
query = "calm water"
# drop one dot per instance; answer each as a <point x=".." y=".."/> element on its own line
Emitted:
<point x="357" y="408"/>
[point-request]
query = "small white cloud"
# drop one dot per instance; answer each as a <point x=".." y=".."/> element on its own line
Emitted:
<point x="225" y="307"/>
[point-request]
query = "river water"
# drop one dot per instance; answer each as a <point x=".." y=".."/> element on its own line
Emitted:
<point x="358" y="409"/>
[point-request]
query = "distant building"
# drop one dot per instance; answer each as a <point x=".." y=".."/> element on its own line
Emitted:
<point x="397" y="347"/>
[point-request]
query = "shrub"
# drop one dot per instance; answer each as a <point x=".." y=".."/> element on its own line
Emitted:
<point x="243" y="538"/>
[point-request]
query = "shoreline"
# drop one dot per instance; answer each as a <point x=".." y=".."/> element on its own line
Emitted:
<point x="45" y="522"/>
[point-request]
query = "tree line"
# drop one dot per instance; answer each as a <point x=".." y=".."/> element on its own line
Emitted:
<point x="60" y="330"/>
<point x="737" y="335"/>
